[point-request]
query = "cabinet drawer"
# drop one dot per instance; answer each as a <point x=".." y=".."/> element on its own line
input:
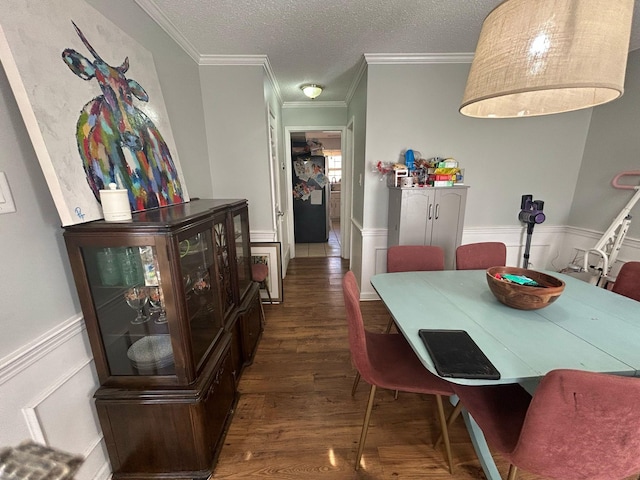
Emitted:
<point x="252" y="320"/>
<point x="178" y="433"/>
<point x="217" y="406"/>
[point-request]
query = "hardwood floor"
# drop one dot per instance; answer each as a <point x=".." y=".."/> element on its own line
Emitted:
<point x="296" y="418"/>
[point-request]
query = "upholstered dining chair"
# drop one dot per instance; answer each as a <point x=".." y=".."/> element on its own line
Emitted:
<point x="259" y="273"/>
<point x="481" y="255"/>
<point x="386" y="360"/>
<point x="578" y="426"/>
<point x="409" y="258"/>
<point x="628" y="281"/>
<point x="413" y="258"/>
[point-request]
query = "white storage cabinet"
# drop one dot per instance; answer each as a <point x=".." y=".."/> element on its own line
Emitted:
<point x="427" y="216"/>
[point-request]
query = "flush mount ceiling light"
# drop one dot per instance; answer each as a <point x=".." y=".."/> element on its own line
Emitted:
<point x="548" y="56"/>
<point x="312" y="90"/>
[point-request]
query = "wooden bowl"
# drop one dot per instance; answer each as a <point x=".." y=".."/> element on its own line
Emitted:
<point x="522" y="296"/>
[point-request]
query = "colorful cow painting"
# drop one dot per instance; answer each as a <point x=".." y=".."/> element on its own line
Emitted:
<point x="117" y="142"/>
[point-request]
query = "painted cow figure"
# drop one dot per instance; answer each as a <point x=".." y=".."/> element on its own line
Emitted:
<point x="117" y="142"/>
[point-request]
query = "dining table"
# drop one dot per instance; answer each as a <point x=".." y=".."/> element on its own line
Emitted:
<point x="586" y="328"/>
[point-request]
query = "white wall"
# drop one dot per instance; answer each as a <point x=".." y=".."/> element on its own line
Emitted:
<point x="416" y="106"/>
<point x="47" y="376"/>
<point x="613" y="145"/>
<point x="236" y="128"/>
<point x="314" y="113"/>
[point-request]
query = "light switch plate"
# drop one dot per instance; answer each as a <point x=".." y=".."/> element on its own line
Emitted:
<point x="6" y="200"/>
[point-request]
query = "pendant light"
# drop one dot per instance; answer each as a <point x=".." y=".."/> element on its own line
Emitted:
<point x="538" y="57"/>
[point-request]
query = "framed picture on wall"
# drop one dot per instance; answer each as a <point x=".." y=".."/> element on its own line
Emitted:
<point x="268" y="253"/>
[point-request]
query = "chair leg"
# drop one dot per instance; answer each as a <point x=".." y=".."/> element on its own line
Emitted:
<point x="365" y="426"/>
<point x="389" y="325"/>
<point x="454" y="414"/>
<point x="355" y="384"/>
<point x="513" y="471"/>
<point x="268" y="293"/>
<point x="445" y="432"/>
<point x="387" y="330"/>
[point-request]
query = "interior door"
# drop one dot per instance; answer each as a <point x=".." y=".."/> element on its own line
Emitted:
<point x="279" y="208"/>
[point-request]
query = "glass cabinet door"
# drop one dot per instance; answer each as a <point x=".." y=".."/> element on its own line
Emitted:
<point x="243" y="252"/>
<point x="200" y="292"/>
<point x="129" y="306"/>
<point x="223" y="265"/>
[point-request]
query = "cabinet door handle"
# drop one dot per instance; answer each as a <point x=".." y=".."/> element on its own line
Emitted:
<point x="437" y="210"/>
<point x="430" y="209"/>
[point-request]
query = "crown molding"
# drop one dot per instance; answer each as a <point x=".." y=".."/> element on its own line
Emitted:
<point x="156" y="15"/>
<point x="161" y="19"/>
<point x="362" y="67"/>
<point x="273" y="80"/>
<point x="250" y="60"/>
<point x="419" y="58"/>
<point x="315" y="104"/>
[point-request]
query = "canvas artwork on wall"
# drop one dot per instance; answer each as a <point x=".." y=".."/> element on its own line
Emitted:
<point x="92" y="104"/>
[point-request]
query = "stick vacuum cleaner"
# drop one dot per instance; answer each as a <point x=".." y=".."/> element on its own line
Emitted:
<point x="531" y="214"/>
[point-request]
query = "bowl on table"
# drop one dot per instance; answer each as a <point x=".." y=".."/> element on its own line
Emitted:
<point x="524" y="297"/>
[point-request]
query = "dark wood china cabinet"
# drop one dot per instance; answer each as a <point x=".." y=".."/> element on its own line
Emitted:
<point x="172" y="316"/>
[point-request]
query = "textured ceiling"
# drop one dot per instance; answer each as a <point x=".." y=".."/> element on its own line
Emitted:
<point x="323" y="42"/>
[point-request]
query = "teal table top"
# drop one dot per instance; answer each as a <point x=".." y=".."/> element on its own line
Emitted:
<point x="587" y="328"/>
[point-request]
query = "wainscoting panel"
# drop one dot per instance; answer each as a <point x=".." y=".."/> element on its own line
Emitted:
<point x="576" y="241"/>
<point x="552" y="248"/>
<point x="374" y="247"/>
<point x="47" y="396"/>
<point x="545" y="250"/>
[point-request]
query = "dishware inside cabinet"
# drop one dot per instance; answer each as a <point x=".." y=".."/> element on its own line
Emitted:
<point x="126" y="289"/>
<point x="201" y="292"/>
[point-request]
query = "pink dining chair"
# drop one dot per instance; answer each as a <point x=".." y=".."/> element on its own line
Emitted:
<point x="414" y="258"/>
<point x="386" y="360"/>
<point x="579" y="425"/>
<point x="628" y="281"/>
<point x="409" y="258"/>
<point x="259" y="273"/>
<point x="481" y="255"/>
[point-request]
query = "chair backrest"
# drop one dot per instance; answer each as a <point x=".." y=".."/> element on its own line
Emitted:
<point x="628" y="281"/>
<point x="414" y="258"/>
<point x="581" y="425"/>
<point x="481" y="255"/>
<point x="355" y="324"/>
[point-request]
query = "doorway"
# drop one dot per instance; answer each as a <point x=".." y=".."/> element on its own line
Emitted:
<point x="315" y="159"/>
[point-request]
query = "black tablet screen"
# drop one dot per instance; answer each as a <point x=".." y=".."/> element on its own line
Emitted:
<point x="456" y="355"/>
